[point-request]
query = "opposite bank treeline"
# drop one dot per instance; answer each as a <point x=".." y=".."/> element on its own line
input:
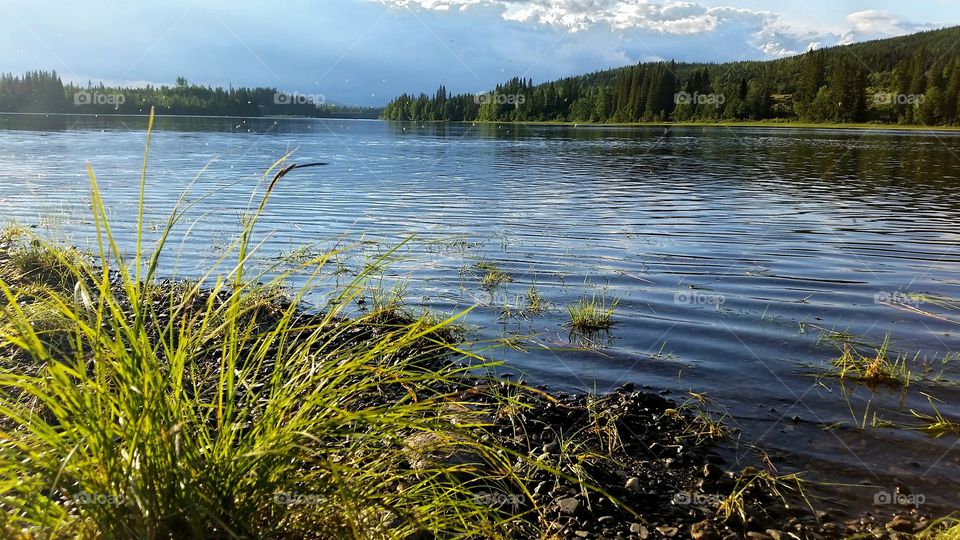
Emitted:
<point x="44" y="92"/>
<point x="913" y="79"/>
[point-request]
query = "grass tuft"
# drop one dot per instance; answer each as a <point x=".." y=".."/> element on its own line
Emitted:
<point x="590" y="314"/>
<point x="493" y="276"/>
<point x="535" y="302"/>
<point x="936" y="424"/>
<point x="873" y="370"/>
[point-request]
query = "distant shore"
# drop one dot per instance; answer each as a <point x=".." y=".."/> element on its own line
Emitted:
<point x="346" y="116"/>
<point x="758" y="124"/>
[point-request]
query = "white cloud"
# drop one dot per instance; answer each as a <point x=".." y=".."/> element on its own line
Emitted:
<point x="871" y="24"/>
<point x="671" y="17"/>
<point x="761" y="31"/>
<point x="877" y="22"/>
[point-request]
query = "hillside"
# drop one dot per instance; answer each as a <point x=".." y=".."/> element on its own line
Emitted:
<point x="912" y="79"/>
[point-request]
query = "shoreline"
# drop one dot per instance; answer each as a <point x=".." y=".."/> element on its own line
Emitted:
<point x="732" y="125"/>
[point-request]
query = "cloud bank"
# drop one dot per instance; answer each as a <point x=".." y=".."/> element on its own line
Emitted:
<point x="764" y="30"/>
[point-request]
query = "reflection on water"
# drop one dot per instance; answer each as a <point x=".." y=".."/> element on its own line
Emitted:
<point x="742" y="258"/>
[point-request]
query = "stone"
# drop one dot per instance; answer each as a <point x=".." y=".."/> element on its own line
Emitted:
<point x="550" y="448"/>
<point x="704" y="530"/>
<point x="639" y="530"/>
<point x="568" y="505"/>
<point x="633" y="484"/>
<point x="669" y="532"/>
<point x="582" y="534"/>
<point x="901" y="524"/>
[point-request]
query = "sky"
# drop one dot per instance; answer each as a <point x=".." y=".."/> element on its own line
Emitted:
<point x="366" y="52"/>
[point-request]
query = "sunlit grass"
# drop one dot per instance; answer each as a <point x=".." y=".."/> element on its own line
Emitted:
<point x="736" y="505"/>
<point x="492" y="276"/>
<point x="535" y="302"/>
<point x="591" y="313"/>
<point x="225" y="407"/>
<point x="873" y="370"/>
<point x="936" y="424"/>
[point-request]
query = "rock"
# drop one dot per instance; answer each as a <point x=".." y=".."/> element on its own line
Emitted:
<point x="704" y="530"/>
<point x="669" y="532"/>
<point x="639" y="530"/>
<point x="758" y="536"/>
<point x="712" y="472"/>
<point x="582" y="534"/>
<point x="550" y="448"/>
<point x="777" y="535"/>
<point x="568" y="505"/>
<point x="604" y="519"/>
<point x="633" y="484"/>
<point x="901" y="524"/>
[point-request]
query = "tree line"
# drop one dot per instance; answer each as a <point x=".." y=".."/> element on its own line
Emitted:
<point x="911" y="79"/>
<point x="44" y="92"/>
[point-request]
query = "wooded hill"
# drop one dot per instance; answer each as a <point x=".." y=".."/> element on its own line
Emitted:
<point x="44" y="92"/>
<point x="912" y="79"/>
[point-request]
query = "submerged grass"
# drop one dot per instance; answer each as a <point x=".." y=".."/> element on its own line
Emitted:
<point x="219" y="408"/>
<point x="492" y="276"/>
<point x="591" y="314"/>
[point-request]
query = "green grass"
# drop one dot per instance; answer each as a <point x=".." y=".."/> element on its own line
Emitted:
<point x="591" y="313"/>
<point x="133" y="408"/>
<point x="535" y="302"/>
<point x="736" y="503"/>
<point x="936" y="424"/>
<point x="492" y="276"/>
<point x="873" y="370"/>
<point x="945" y="528"/>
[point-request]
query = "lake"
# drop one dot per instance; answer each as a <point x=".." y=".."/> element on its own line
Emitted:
<point x="744" y="260"/>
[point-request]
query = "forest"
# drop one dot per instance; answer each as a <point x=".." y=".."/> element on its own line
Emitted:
<point x="44" y="92"/>
<point x="912" y="79"/>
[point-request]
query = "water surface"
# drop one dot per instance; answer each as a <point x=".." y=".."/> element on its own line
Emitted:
<point x="743" y="259"/>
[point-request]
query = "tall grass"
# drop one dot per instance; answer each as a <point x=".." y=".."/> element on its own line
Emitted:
<point x="217" y="408"/>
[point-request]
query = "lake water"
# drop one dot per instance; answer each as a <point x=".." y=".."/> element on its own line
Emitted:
<point x="743" y="258"/>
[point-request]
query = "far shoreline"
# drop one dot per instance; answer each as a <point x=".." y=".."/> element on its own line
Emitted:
<point x="913" y="128"/>
<point x="754" y="124"/>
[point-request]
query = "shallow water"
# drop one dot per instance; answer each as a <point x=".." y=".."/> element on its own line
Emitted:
<point x="738" y="255"/>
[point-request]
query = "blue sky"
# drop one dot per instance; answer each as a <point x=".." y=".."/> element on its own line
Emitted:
<point x="368" y="51"/>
